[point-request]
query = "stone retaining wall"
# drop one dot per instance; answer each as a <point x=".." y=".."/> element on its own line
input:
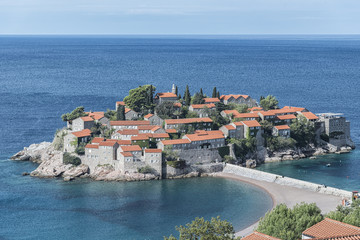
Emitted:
<point x="286" y="181"/>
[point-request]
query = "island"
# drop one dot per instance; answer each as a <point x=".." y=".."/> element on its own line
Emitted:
<point x="162" y="135"/>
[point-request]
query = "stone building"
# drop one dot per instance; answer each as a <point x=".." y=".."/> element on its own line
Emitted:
<point x="239" y="99"/>
<point x="233" y="130"/>
<point x="82" y="123"/>
<point x="119" y="125"/>
<point x="281" y="131"/>
<point x="154" y="119"/>
<point x="197" y="123"/>
<point x="203" y="110"/>
<point x="73" y="139"/>
<point x="337" y="128"/>
<point x="251" y="128"/>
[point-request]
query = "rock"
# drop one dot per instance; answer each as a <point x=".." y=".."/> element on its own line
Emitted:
<point x="76" y="171"/>
<point x="32" y="153"/>
<point x="287" y="157"/>
<point x="25" y="174"/>
<point x="251" y="163"/>
<point x="68" y="178"/>
<point x="313" y="157"/>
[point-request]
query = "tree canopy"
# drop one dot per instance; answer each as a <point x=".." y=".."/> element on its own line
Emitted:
<point x="120" y="113"/>
<point x="165" y="110"/>
<point x="77" y="112"/>
<point x="215" y="229"/>
<point x="302" y="131"/>
<point x="141" y="99"/>
<point x="198" y="98"/>
<point x="285" y="223"/>
<point x="270" y="102"/>
<point x="349" y="215"/>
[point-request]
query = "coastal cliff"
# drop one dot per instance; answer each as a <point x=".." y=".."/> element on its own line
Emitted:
<point x="51" y="165"/>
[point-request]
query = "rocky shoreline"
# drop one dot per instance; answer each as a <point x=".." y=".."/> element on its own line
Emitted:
<point x="51" y="164"/>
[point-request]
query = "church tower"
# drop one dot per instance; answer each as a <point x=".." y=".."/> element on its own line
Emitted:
<point x="173" y="90"/>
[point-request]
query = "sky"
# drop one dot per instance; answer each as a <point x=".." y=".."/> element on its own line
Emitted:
<point x="180" y="17"/>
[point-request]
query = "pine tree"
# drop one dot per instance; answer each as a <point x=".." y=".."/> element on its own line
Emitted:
<point x="214" y="93"/>
<point x="187" y="96"/>
<point x="120" y="113"/>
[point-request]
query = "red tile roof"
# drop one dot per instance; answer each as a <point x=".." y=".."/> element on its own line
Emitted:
<point x="267" y="113"/>
<point x="82" y="133"/>
<point x="230" y="127"/>
<point x="120" y="103"/>
<point x="233" y="112"/>
<point x="346" y="237"/>
<point x="132" y="148"/>
<point x="148" y="115"/>
<point x="200" y="106"/>
<point x="171" y="130"/>
<point x="124" y="142"/>
<point x="251" y="123"/>
<point x="95" y="115"/>
<point x="259" y="236"/>
<point x="126" y="154"/>
<point x="153" y="150"/>
<point x="188" y="120"/>
<point x="160" y="135"/>
<point x="175" y="141"/>
<point x="87" y="119"/>
<point x="166" y="95"/>
<point x="155" y="128"/>
<point x="227" y="97"/>
<point x="97" y="140"/>
<point x="330" y="228"/>
<point x="127" y="110"/>
<point x="310" y="115"/>
<point x="247" y="115"/>
<point x="286" y="117"/>
<point x="238" y="123"/>
<point x="177" y="105"/>
<point x="128" y="132"/>
<point x="282" y="127"/>
<point x="140" y="137"/>
<point x="205" y="135"/>
<point x="297" y="109"/>
<point x="129" y="123"/>
<point x="91" y="146"/>
<point x="211" y="100"/>
<point x="108" y="143"/>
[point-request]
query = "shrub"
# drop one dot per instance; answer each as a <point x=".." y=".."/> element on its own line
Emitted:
<point x="223" y="151"/>
<point x="146" y="169"/>
<point x="229" y="159"/>
<point x="70" y="159"/>
<point x="279" y="143"/>
<point x="58" y="141"/>
<point x="80" y="150"/>
<point x="176" y="164"/>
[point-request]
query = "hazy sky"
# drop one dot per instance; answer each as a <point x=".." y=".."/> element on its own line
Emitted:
<point x="180" y="17"/>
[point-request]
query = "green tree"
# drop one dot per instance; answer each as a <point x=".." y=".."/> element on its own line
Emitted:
<point x="349" y="215"/>
<point x="285" y="223"/>
<point x="197" y="99"/>
<point x="141" y="98"/>
<point x="215" y="229"/>
<point x="270" y="102"/>
<point x="120" y="113"/>
<point x="218" y="95"/>
<point x="176" y="90"/>
<point x="187" y="96"/>
<point x="77" y="112"/>
<point x="179" y="96"/>
<point x="165" y="110"/>
<point x="214" y="93"/>
<point x="201" y="93"/>
<point x="302" y="131"/>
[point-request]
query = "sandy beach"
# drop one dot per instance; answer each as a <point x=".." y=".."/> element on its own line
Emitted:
<point x="288" y="195"/>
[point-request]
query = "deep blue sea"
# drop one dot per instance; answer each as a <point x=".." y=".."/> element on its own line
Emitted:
<point x="42" y="77"/>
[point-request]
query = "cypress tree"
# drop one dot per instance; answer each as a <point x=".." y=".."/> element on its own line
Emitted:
<point x="201" y="92"/>
<point x="120" y="113"/>
<point x="218" y="95"/>
<point x="187" y="96"/>
<point x="179" y="96"/>
<point x="214" y="93"/>
<point x="176" y="90"/>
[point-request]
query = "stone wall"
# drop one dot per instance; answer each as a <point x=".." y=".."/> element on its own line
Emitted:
<point x="196" y="156"/>
<point x="286" y="181"/>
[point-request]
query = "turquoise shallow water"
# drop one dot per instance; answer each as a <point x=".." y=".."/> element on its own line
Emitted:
<point x="44" y="77"/>
<point x="33" y="208"/>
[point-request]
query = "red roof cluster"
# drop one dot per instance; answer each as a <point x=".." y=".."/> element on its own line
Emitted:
<point x="166" y="95"/>
<point x="129" y="123"/>
<point x="211" y="100"/>
<point x="188" y="120"/>
<point x="200" y="106"/>
<point x="82" y="133"/>
<point x="227" y="97"/>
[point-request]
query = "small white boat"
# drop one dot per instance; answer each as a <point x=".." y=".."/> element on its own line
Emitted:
<point x="328" y="165"/>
